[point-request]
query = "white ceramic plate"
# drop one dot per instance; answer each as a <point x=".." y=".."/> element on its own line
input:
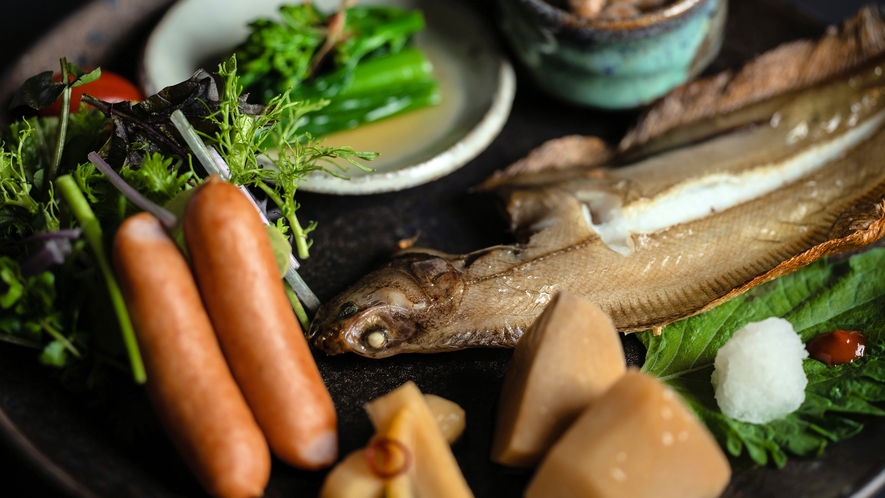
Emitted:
<point x="477" y="82"/>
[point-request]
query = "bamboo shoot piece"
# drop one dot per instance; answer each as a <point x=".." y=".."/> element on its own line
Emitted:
<point x="566" y="360"/>
<point x="405" y="458"/>
<point x="436" y="472"/>
<point x="637" y="440"/>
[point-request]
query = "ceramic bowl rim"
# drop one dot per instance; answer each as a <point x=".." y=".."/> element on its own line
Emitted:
<point x="673" y="12"/>
<point x="470" y="143"/>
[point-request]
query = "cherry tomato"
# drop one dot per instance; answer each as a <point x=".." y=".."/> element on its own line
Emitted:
<point x="109" y="87"/>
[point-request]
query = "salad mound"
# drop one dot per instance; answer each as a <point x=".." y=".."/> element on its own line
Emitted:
<point x="61" y="203"/>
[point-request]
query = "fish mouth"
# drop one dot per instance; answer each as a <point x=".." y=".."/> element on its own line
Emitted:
<point x="327" y="340"/>
<point x="329" y="336"/>
<point x="315" y="336"/>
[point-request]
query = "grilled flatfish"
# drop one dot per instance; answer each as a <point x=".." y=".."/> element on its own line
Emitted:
<point x="727" y="183"/>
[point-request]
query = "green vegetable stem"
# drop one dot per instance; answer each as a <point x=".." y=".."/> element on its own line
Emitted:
<point x="382" y="87"/>
<point x="71" y="193"/>
<point x="41" y="91"/>
<point x="62" y="123"/>
<point x="374" y="72"/>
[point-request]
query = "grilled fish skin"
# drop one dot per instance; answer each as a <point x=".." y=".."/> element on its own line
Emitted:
<point x="653" y="241"/>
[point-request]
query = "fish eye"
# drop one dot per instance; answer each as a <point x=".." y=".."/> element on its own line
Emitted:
<point x="376" y="337"/>
<point x="348" y="309"/>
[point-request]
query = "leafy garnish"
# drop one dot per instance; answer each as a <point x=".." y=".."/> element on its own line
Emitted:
<point x="156" y="162"/>
<point x="41" y="91"/>
<point x="273" y="134"/>
<point x="142" y="129"/>
<point x="87" y="130"/>
<point x="820" y="298"/>
<point x="28" y="311"/>
<point x="52" y="298"/>
<point x="158" y="178"/>
<point x="15" y="187"/>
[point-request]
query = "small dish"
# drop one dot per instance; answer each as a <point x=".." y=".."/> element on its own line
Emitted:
<point x="614" y="63"/>
<point x="478" y="85"/>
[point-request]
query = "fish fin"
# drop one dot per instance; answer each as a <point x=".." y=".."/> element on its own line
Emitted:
<point x="856" y="228"/>
<point x="559" y="154"/>
<point x="439" y="274"/>
<point x="790" y="67"/>
<point x="864" y="218"/>
<point x="548" y="219"/>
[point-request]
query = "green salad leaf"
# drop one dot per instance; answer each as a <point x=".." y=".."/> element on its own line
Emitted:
<point x="28" y="311"/>
<point x="158" y="178"/>
<point x="822" y="297"/>
<point x="41" y="91"/>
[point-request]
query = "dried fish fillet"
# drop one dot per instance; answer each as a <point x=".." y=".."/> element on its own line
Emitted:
<point x="711" y="105"/>
<point x="662" y="237"/>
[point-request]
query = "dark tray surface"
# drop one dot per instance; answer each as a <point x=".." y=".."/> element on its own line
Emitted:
<point x="355" y="234"/>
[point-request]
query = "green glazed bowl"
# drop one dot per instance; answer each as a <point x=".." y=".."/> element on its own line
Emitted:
<point x="614" y="63"/>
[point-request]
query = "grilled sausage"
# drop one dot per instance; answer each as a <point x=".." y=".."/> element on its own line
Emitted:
<point x="189" y="383"/>
<point x="238" y="278"/>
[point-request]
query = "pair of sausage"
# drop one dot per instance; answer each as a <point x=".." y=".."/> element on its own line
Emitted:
<point x="238" y="276"/>
<point x="224" y="376"/>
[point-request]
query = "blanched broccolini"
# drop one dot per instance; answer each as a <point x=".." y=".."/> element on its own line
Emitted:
<point x="359" y="59"/>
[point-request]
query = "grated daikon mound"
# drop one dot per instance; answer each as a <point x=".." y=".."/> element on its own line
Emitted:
<point x="758" y="373"/>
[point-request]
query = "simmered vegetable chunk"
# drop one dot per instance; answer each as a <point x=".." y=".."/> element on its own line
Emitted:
<point x="568" y="358"/>
<point x="637" y="440"/>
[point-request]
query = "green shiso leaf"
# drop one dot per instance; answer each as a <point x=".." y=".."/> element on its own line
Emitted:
<point x="822" y="297"/>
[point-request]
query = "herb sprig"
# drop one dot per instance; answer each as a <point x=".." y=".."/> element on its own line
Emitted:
<point x="273" y="136"/>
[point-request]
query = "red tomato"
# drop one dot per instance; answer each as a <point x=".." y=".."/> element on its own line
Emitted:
<point x="109" y="87"/>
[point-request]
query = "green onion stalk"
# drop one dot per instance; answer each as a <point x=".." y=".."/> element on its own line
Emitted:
<point x="71" y="193"/>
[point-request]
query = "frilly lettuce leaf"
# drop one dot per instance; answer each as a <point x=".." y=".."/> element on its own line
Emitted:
<point x="822" y="297"/>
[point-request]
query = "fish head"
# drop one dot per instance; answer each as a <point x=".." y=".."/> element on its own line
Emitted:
<point x="384" y="313"/>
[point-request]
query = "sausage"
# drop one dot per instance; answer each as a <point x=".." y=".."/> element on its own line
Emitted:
<point x="188" y="382"/>
<point x="237" y="274"/>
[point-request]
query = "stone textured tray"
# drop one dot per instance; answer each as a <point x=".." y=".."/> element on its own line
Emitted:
<point x="73" y="442"/>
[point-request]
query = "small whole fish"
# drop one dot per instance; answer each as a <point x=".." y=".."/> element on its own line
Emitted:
<point x="727" y="183"/>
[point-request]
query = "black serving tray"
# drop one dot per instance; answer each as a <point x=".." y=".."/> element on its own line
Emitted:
<point x="70" y="443"/>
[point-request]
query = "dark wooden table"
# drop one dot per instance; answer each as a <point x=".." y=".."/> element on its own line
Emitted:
<point x="23" y="22"/>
